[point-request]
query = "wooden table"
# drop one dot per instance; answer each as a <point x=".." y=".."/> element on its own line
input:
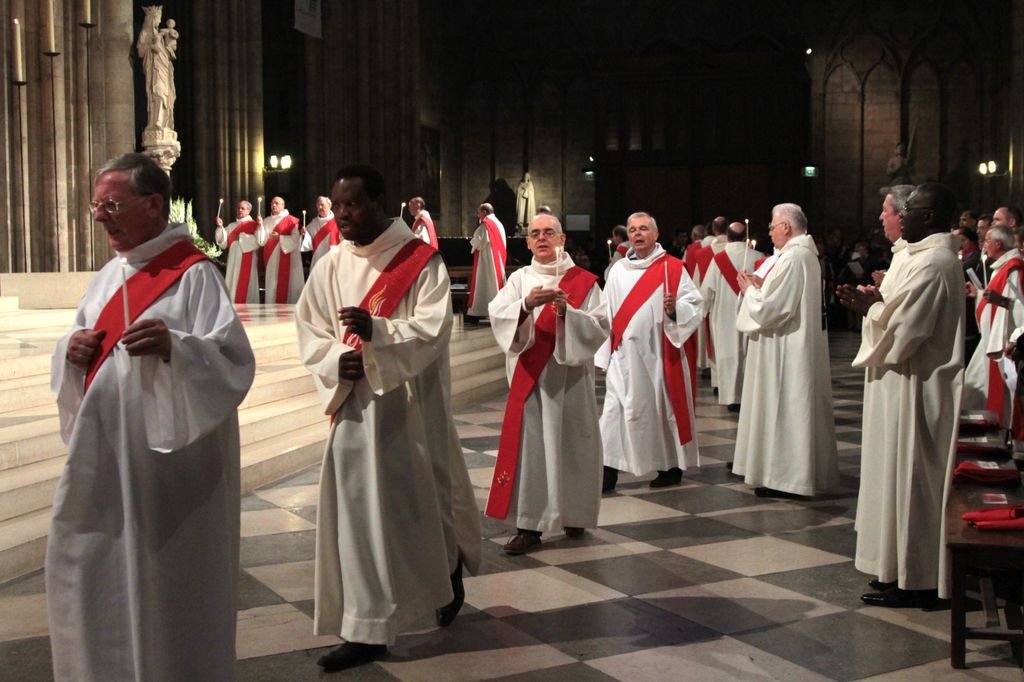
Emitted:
<point x="974" y="549"/>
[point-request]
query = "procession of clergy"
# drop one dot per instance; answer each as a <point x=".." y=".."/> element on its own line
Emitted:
<point x="142" y="557"/>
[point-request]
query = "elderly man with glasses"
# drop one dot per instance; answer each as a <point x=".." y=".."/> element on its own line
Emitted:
<point x="142" y="557"/>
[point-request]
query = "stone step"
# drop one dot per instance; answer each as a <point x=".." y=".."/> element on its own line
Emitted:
<point x="278" y="385"/>
<point x="28" y="488"/>
<point x="472" y="389"/>
<point x="475" y="362"/>
<point x="8" y="304"/>
<point x="282" y="455"/>
<point x="23" y="543"/>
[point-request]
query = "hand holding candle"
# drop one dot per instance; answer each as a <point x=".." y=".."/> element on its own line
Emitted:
<point x="220" y="203"/>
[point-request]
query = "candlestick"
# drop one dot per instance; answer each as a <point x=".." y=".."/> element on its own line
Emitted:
<point x="124" y="291"/>
<point x="18" y="66"/>
<point x="50" y="46"/>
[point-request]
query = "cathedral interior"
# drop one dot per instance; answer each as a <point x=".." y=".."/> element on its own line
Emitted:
<point x="684" y="109"/>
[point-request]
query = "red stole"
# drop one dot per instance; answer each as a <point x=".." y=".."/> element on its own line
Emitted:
<point x="728" y="271"/>
<point x="144" y="288"/>
<point x="576" y="282"/>
<point x="622" y="249"/>
<point x="996" y="400"/>
<point x="393" y="283"/>
<point x="758" y="263"/>
<point x="247" y="226"/>
<point x="497" y="256"/>
<point x="691" y="257"/>
<point x="675" y="386"/>
<point x="328" y="229"/>
<point x="285" y="226"/>
<point x="429" y="225"/>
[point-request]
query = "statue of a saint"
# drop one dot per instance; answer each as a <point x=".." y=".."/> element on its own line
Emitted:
<point x="156" y="47"/>
<point x="526" y="202"/>
<point x="900" y="168"/>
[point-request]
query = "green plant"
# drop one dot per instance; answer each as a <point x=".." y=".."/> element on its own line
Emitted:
<point x="181" y="212"/>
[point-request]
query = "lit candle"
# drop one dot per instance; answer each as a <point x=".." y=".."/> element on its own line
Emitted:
<point x="220" y="202"/>
<point x="50" y="48"/>
<point x="401" y="210"/>
<point x="746" y="243"/>
<point x="558" y="260"/>
<point x="19" y="55"/>
<point x="259" y="206"/>
<point x="609" y="250"/>
<point x="124" y="291"/>
<point x="303" y="219"/>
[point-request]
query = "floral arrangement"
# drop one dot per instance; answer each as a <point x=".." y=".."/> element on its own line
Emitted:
<point x="181" y="212"/>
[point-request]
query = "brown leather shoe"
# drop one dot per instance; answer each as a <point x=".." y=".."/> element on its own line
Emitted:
<point x="523" y="542"/>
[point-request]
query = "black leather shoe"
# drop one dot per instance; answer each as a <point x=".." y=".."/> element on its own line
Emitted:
<point x="879" y="586"/>
<point x="666" y="478"/>
<point x="573" y="532"/>
<point x="780" y="494"/>
<point x="611" y="477"/>
<point x="524" y="541"/>
<point x="896" y="598"/>
<point x="733" y="407"/>
<point x="446" y="614"/>
<point x="350" y="655"/>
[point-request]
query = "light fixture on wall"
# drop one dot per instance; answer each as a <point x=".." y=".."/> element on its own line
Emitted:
<point x="278" y="164"/>
<point x="588" y="170"/>
<point x="989" y="168"/>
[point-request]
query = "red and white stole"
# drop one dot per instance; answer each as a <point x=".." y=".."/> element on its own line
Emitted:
<point x="285" y="226"/>
<point x="622" y="249"/>
<point x="704" y="257"/>
<point x="728" y="270"/>
<point x="996" y="399"/>
<point x="328" y="230"/>
<point x="144" y="288"/>
<point x="245" y="226"/>
<point x="393" y="283"/>
<point x="498" y="255"/>
<point x="424" y="219"/>
<point x="577" y="283"/>
<point x="672" y="361"/>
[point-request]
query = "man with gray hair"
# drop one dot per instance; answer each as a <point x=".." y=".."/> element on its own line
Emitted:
<point x="489" y="256"/>
<point x="549" y="320"/>
<point x="1000" y="310"/>
<point x="648" y="420"/>
<point x="142" y="556"/>
<point x="786" y="441"/>
<point x="241" y="241"/>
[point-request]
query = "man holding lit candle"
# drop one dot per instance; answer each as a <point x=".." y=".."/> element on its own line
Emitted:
<point x="321" y="232"/>
<point x="241" y="241"/>
<point x="648" y="420"/>
<point x="786" y="441"/>
<point x="618" y="246"/>
<point x="142" y="554"/>
<point x="549" y="319"/>
<point x="281" y="236"/>
<point x="422" y="224"/>
<point x="720" y="289"/>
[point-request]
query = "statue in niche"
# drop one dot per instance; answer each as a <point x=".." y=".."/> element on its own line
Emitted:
<point x="900" y="168"/>
<point x="526" y="203"/>
<point x="156" y="47"/>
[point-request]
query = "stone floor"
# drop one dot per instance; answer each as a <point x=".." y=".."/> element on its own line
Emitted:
<point x="702" y="581"/>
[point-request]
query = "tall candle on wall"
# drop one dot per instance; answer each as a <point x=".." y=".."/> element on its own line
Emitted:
<point x="18" y="69"/>
<point x="86" y="13"/>
<point x="50" y="47"/>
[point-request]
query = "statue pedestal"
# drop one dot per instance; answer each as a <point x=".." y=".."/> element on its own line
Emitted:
<point x="162" y="144"/>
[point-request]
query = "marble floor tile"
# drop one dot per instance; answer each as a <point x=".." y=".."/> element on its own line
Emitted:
<point x="682" y="531"/>
<point x="576" y="672"/>
<point x="538" y="589"/>
<point x="481" y="477"/>
<point x="616" y="510"/>
<point x="984" y="666"/>
<point x="476" y="431"/>
<point x="711" y="661"/>
<point x="272" y="521"/>
<point x="703" y="499"/>
<point x="276" y="629"/>
<point x="489" y="417"/>
<point x="292" y="581"/>
<point x="777" y="519"/>
<point x="26" y="660"/>
<point x="760" y="555"/>
<point x="270" y="549"/>
<point x="558" y="557"/>
<point x="740" y="605"/>
<point x="477" y="665"/>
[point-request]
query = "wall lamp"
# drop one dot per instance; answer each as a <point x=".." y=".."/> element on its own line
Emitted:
<point x="278" y="164"/>
<point x="989" y="168"/>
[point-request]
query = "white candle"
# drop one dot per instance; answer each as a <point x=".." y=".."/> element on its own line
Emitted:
<point x="746" y="243"/>
<point x="259" y="206"/>
<point x="220" y="203"/>
<point x="401" y="210"/>
<point x="124" y="291"/>
<point x="86" y="13"/>
<point x="303" y="219"/>
<point x="665" y="263"/>
<point x="609" y="249"/>
<point x="18" y="69"/>
<point x="51" y="30"/>
<point x="984" y="269"/>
